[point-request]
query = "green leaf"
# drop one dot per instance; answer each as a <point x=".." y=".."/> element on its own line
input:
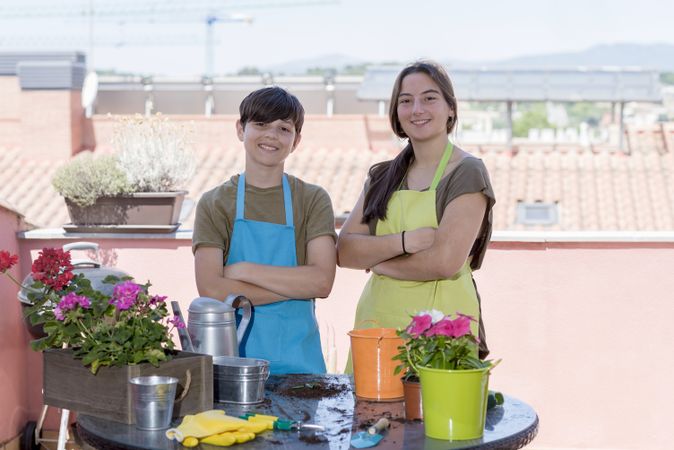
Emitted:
<point x="111" y="279"/>
<point x="90" y="358"/>
<point x="95" y="366"/>
<point x="40" y="344"/>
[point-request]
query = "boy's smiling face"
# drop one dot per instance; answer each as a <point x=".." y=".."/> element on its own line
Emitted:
<point x="267" y="144"/>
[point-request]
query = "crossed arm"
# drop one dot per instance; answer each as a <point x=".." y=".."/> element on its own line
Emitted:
<point x="264" y="284"/>
<point x="433" y="254"/>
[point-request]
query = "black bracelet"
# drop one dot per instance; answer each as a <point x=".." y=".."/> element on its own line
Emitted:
<point x="403" y="239"/>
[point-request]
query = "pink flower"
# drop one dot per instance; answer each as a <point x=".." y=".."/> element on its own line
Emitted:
<point x="124" y="295"/>
<point x="71" y="300"/>
<point x="420" y="323"/>
<point x="157" y="299"/>
<point x="445" y="327"/>
<point x="461" y="325"/>
<point x="59" y="314"/>
<point x="177" y="322"/>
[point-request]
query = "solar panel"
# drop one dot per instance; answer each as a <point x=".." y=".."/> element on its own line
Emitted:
<point x="601" y="85"/>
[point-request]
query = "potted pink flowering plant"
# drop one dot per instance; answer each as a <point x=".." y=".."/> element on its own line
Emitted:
<point x="441" y="351"/>
<point x="438" y="341"/>
<point x="99" y="334"/>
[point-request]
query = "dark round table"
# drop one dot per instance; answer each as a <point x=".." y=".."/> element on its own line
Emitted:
<point x="509" y="426"/>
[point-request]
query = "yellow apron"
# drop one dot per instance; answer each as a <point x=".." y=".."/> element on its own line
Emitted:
<point x="388" y="302"/>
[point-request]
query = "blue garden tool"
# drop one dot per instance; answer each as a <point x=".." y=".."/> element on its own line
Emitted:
<point x="371" y="437"/>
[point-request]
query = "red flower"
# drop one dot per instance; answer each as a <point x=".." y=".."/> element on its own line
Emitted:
<point x="7" y="260"/>
<point x="53" y="268"/>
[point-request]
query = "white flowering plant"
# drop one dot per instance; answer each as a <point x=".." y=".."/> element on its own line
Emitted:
<point x="153" y="152"/>
<point x="152" y="155"/>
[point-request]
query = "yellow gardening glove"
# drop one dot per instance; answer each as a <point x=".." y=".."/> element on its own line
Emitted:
<point x="222" y="440"/>
<point x="190" y="442"/>
<point x="260" y="421"/>
<point x="256" y="426"/>
<point x="229" y="438"/>
<point x="205" y="424"/>
<point x="243" y="436"/>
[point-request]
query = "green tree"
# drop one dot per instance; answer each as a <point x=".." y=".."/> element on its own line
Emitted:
<point x="533" y="116"/>
<point x="588" y="112"/>
<point x="357" y="69"/>
<point x="667" y="78"/>
<point x="249" y="70"/>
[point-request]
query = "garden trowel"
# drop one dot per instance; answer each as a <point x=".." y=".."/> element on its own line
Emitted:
<point x="372" y="436"/>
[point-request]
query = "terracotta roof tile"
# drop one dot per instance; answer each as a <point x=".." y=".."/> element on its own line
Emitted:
<point x="595" y="189"/>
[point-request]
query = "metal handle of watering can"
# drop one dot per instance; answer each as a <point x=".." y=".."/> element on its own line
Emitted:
<point x="247" y="306"/>
<point x="84" y="246"/>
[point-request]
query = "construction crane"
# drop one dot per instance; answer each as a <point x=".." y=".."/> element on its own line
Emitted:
<point x="207" y="12"/>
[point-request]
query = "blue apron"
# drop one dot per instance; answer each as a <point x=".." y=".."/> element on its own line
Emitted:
<point x="284" y="333"/>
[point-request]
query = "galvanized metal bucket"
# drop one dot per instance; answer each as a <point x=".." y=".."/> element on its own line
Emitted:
<point x="239" y="380"/>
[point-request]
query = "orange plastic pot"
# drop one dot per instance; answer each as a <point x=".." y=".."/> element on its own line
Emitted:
<point x="372" y="352"/>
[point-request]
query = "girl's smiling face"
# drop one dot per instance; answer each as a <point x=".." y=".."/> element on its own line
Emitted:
<point x="422" y="110"/>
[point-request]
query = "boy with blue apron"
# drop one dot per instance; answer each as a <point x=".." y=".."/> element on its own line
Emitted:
<point x="240" y="224"/>
<point x="284" y="333"/>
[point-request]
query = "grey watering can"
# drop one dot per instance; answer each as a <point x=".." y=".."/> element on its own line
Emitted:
<point x="211" y="325"/>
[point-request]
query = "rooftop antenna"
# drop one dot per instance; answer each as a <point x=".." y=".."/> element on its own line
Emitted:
<point x="211" y="19"/>
<point x="90" y="86"/>
<point x="89" y="93"/>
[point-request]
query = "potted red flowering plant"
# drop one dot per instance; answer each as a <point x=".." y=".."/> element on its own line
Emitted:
<point x="114" y="331"/>
<point x="128" y="327"/>
<point x="441" y="351"/>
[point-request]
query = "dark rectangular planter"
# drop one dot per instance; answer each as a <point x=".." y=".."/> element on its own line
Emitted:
<point x="68" y="384"/>
<point x="141" y="208"/>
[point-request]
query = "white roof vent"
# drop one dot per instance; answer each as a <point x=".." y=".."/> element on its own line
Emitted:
<point x="537" y="213"/>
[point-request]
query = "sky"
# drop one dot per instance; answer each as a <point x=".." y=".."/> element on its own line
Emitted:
<point x="368" y="30"/>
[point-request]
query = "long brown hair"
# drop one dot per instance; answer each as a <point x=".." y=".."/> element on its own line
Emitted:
<point x="385" y="177"/>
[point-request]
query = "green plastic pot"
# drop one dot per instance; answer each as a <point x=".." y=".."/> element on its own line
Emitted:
<point x="454" y="402"/>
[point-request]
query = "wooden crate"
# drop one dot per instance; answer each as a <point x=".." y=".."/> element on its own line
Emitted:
<point x="68" y="384"/>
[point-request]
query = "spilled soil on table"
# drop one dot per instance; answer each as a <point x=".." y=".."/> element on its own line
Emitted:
<point x="302" y="386"/>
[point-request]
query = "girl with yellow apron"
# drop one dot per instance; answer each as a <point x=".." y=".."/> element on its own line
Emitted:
<point x="423" y="110"/>
<point x="383" y="297"/>
<point x="388" y="302"/>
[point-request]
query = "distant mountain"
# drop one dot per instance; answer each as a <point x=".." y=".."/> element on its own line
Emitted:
<point x="647" y="56"/>
<point x="301" y="66"/>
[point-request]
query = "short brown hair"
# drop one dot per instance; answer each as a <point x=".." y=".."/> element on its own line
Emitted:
<point x="269" y="104"/>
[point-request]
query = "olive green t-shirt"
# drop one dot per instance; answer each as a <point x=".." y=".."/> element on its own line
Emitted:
<point x="312" y="213"/>
<point x="469" y="176"/>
